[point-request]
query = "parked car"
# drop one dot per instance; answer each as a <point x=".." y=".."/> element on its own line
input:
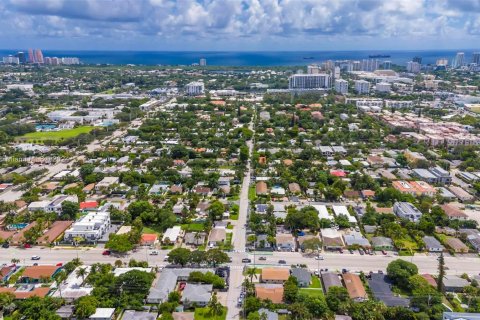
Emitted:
<point x="246" y="260"/>
<point x="106" y="252"/>
<point x="59" y="264"/>
<point x="361" y="252"/>
<point x="35" y="258"/>
<point x="27" y="246"/>
<point x="282" y="262"/>
<point x="384" y="252"/>
<point x="319" y="258"/>
<point x="262" y="258"/>
<point x="154" y="253"/>
<point x="6" y="245"/>
<point x="351" y="251"/>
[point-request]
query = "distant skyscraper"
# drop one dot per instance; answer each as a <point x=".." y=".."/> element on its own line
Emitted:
<point x="336" y="73"/>
<point x="38" y="56"/>
<point x="11" y="60"/>
<point x="369" y="65"/>
<point x="203" y="62"/>
<point x="387" y="65"/>
<point x="476" y="58"/>
<point x="362" y="86"/>
<point x="341" y="86"/>
<point x="309" y="81"/>
<point x="413" y="66"/>
<point x="21" y="57"/>
<point x="417" y="59"/>
<point x="442" y="62"/>
<point x="459" y="60"/>
<point x="31" y="57"/>
<point x="313" y="69"/>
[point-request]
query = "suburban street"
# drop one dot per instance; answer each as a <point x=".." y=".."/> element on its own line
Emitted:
<point x="238" y="240"/>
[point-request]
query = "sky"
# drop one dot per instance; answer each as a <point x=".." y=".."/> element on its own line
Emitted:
<point x="240" y="25"/>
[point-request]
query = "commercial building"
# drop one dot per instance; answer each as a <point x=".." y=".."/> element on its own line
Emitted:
<point x="195" y="88"/>
<point x="362" y="87"/>
<point x="406" y="210"/>
<point x="341" y="86"/>
<point x="309" y="81"/>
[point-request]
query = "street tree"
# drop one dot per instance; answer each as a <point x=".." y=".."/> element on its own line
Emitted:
<point x="179" y="256"/>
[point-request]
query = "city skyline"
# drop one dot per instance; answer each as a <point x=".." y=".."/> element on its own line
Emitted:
<point x="239" y="25"/>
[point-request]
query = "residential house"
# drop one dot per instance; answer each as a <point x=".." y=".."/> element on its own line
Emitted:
<point x="461" y="194"/>
<point x="294" y="188"/>
<point x="332" y="239"/>
<point x="330" y="279"/>
<point x="196" y="294"/>
<point x="356" y="239"/>
<point x="272" y="292"/>
<point x="274" y="275"/>
<point x="454" y="283"/>
<point x="456" y="245"/>
<point x="453" y="212"/>
<point x="195" y="238"/>
<point x="90" y="227"/>
<point x="6" y="272"/>
<point x="148" y="239"/>
<point x="36" y="274"/>
<point x="285" y="242"/>
<point x="382" y="243"/>
<point x="407" y="210"/>
<point x="172" y="234"/>
<point x="217" y="237"/>
<point x="355" y="287"/>
<point x="103" y="314"/>
<point x="432" y="244"/>
<point x="106" y="183"/>
<point x="304" y="277"/>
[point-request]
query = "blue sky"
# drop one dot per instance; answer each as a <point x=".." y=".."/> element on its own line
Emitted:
<point x="239" y="24"/>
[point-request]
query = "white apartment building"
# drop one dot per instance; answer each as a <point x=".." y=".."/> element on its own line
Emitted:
<point x="341" y="86"/>
<point x="11" y="60"/>
<point x="362" y="87"/>
<point x="398" y="104"/>
<point x="383" y="87"/>
<point x="52" y="205"/>
<point x="309" y="81"/>
<point x="407" y="210"/>
<point x="413" y="67"/>
<point x="91" y="227"/>
<point x="195" y="88"/>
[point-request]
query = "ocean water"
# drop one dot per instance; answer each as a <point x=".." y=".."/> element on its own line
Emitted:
<point x="254" y="58"/>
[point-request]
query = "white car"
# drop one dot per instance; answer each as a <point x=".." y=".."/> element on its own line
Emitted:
<point x="319" y="258"/>
<point x="35" y="258"/>
<point x="154" y="253"/>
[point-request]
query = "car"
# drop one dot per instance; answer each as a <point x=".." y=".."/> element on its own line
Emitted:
<point x="35" y="264"/>
<point x="262" y="258"/>
<point x="341" y="250"/>
<point x="282" y="262"/>
<point x="319" y="258"/>
<point x="6" y="245"/>
<point x="246" y="260"/>
<point x="27" y="246"/>
<point x="59" y="264"/>
<point x="351" y="251"/>
<point x="106" y="252"/>
<point x="153" y="253"/>
<point x="361" y="252"/>
<point x="166" y="258"/>
<point x="384" y="252"/>
<point x="35" y="258"/>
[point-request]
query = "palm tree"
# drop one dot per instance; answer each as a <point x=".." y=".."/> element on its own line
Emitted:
<point x="6" y="301"/>
<point x="252" y="272"/>
<point x="59" y="278"/>
<point x="214" y="306"/>
<point x="15" y="260"/>
<point x="82" y="272"/>
<point x="77" y="262"/>
<point x="196" y="237"/>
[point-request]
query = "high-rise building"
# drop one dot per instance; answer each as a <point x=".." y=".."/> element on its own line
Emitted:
<point x="11" y="60"/>
<point x="362" y="87"/>
<point x="203" y="62"/>
<point x="459" y="60"/>
<point x="313" y="69"/>
<point x="387" y="65"/>
<point x="341" y="86"/>
<point x="38" y="56"/>
<point x="413" y="67"/>
<point x="195" y="88"/>
<point x="356" y="65"/>
<point x="442" y="62"/>
<point x="21" y="57"/>
<point x="417" y="59"/>
<point x="476" y="58"/>
<point x="309" y="81"/>
<point x="31" y="56"/>
<point x="369" y="65"/>
<point x="69" y="60"/>
<point x="48" y="60"/>
<point x="336" y="73"/>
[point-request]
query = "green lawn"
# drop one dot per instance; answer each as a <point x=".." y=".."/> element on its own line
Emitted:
<point x="315" y="283"/>
<point x="252" y="194"/>
<point x="193" y="227"/>
<point x="234" y="216"/>
<point x="311" y="292"/>
<point x="149" y="230"/>
<point x="204" y="314"/>
<point x="54" y="135"/>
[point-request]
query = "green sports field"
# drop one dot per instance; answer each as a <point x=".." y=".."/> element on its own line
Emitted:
<point x="41" y="136"/>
